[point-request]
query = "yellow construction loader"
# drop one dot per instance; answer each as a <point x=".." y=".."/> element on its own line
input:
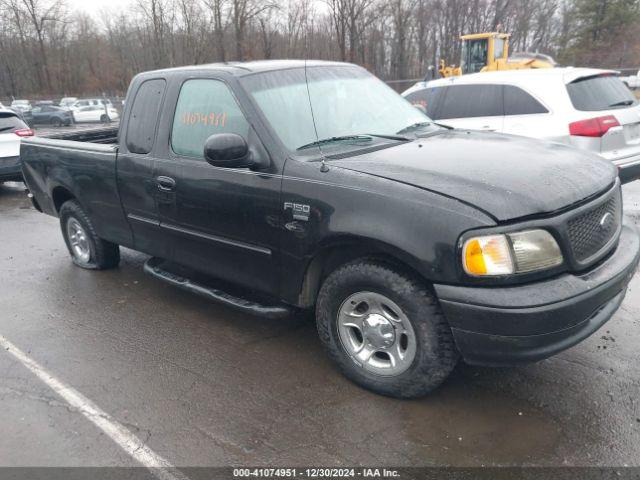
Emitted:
<point x="485" y="52"/>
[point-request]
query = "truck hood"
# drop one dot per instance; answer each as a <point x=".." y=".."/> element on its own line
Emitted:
<point x="505" y="176"/>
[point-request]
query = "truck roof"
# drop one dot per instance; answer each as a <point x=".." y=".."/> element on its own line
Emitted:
<point x="246" y="68"/>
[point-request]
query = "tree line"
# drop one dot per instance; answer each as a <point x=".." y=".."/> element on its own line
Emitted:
<point x="47" y="48"/>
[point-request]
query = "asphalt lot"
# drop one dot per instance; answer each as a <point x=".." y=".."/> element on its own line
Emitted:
<point x="203" y="385"/>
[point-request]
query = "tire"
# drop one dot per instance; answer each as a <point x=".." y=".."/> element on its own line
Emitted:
<point x="105" y="119"/>
<point x="56" y="122"/>
<point x="100" y="254"/>
<point x="434" y="354"/>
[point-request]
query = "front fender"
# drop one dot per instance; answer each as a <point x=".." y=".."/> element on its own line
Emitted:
<point x="418" y="227"/>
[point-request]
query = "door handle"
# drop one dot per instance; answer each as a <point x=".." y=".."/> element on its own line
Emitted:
<point x="166" y="184"/>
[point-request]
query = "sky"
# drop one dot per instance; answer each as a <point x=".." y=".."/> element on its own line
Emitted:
<point x="93" y="7"/>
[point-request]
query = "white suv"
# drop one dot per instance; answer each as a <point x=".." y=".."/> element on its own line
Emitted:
<point x="587" y="108"/>
<point x="12" y="130"/>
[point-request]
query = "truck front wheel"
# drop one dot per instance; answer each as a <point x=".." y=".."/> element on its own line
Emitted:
<point x="86" y="248"/>
<point x="385" y="330"/>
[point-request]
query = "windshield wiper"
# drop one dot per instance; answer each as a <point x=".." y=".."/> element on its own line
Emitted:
<point x="621" y="103"/>
<point x="415" y="126"/>
<point x="389" y="137"/>
<point x="324" y="141"/>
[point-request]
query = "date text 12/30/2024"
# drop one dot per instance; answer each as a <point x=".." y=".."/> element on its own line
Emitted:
<point x="315" y="473"/>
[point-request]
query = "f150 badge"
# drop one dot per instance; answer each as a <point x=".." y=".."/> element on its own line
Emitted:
<point x="300" y="211"/>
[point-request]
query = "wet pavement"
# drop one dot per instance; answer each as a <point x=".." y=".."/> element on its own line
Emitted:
<point x="203" y="385"/>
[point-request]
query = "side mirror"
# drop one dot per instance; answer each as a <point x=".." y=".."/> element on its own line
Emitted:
<point x="228" y="150"/>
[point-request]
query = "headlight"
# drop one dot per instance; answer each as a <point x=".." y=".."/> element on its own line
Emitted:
<point x="518" y="252"/>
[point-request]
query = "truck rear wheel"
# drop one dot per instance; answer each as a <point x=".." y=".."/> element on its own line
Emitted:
<point x="385" y="330"/>
<point x="86" y="248"/>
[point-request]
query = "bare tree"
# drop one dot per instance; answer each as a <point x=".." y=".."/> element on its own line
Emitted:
<point x="347" y="17"/>
<point x="37" y="15"/>
<point x="242" y="13"/>
<point x="44" y="48"/>
<point x="219" y="11"/>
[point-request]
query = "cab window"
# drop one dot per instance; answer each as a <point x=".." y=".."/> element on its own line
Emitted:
<point x="474" y="55"/>
<point x="204" y="107"/>
<point x="498" y="48"/>
<point x="141" y="129"/>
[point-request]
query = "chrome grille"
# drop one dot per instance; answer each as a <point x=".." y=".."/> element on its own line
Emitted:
<point x="592" y="230"/>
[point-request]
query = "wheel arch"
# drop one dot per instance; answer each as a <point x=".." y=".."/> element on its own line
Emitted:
<point x="341" y="250"/>
<point x="60" y="195"/>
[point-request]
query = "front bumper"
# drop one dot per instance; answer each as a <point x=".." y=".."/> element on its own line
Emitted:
<point x="10" y="169"/>
<point x="526" y="323"/>
<point x="628" y="168"/>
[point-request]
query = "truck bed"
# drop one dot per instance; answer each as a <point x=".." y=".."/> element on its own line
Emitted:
<point x="105" y="135"/>
<point x="55" y="167"/>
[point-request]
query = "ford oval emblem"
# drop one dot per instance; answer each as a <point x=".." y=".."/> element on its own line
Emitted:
<point x="606" y="220"/>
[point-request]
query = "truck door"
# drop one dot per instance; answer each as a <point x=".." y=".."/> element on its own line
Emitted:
<point x="221" y="221"/>
<point x="136" y="164"/>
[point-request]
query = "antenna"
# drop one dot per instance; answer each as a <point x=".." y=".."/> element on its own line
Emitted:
<point x="323" y="166"/>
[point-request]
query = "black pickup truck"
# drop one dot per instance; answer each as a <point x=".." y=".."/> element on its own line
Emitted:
<point x="288" y="185"/>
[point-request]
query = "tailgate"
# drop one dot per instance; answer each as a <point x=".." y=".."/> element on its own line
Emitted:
<point x="624" y="140"/>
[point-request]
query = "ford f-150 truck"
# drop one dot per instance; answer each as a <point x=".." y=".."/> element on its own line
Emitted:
<point x="288" y="185"/>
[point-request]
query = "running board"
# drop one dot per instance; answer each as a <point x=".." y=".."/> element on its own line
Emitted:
<point x="156" y="267"/>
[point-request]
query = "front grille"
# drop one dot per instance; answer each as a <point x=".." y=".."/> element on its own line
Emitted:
<point x="592" y="230"/>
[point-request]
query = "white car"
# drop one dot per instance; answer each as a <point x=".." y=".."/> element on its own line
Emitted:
<point x="21" y="106"/>
<point x="12" y="129"/>
<point x="89" y="102"/>
<point x="632" y="81"/>
<point x="95" y="113"/>
<point x="587" y="108"/>
<point x="67" y="102"/>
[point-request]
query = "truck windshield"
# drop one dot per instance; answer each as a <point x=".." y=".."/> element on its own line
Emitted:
<point x="346" y="100"/>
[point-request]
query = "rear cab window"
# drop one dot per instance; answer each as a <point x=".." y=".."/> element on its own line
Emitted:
<point x="204" y="107"/>
<point x="143" y="119"/>
<point x="602" y="92"/>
